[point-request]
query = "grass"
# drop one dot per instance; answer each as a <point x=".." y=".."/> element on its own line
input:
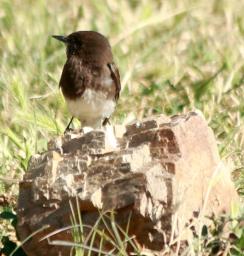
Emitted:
<point x="173" y="56"/>
<point x="222" y="236"/>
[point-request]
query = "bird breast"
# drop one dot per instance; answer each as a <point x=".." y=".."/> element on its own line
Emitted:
<point x="92" y="107"/>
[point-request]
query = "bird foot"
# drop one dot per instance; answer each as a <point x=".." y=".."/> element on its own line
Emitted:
<point x="68" y="130"/>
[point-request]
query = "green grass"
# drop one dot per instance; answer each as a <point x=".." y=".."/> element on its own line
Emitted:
<point x="173" y="56"/>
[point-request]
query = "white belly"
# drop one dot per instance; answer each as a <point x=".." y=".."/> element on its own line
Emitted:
<point x="91" y="108"/>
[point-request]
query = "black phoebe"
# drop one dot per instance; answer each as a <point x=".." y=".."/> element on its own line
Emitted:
<point x="90" y="80"/>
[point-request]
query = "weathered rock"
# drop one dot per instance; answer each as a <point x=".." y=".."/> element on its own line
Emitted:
<point x="163" y="170"/>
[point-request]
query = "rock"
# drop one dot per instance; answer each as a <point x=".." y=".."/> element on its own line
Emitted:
<point x="161" y="173"/>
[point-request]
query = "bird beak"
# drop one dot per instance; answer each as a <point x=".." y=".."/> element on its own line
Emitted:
<point x="60" y="38"/>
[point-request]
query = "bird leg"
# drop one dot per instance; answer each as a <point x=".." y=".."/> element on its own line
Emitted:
<point x="106" y="121"/>
<point x="68" y="126"/>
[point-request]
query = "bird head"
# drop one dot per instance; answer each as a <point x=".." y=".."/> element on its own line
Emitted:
<point x="85" y="44"/>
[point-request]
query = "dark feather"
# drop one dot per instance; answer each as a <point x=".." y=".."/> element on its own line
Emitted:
<point x="116" y="78"/>
<point x="89" y="65"/>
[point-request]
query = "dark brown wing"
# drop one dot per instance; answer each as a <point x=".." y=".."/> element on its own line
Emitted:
<point x="73" y="79"/>
<point x="116" y="78"/>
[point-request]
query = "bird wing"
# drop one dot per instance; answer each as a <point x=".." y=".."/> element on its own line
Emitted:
<point x="116" y="78"/>
<point x="77" y="76"/>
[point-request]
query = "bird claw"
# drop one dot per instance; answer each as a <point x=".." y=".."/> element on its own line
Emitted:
<point x="68" y="130"/>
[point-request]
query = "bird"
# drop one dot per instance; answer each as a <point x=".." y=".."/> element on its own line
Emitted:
<point x="90" y="80"/>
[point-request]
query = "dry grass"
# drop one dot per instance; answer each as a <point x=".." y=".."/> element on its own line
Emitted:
<point x="173" y="56"/>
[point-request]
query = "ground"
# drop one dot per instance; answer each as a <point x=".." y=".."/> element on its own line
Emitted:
<point x="173" y="56"/>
